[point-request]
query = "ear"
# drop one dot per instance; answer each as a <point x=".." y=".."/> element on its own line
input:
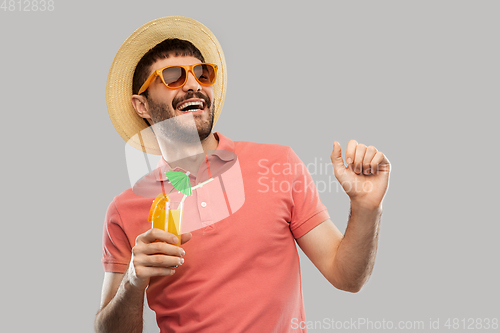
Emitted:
<point x="140" y="104"/>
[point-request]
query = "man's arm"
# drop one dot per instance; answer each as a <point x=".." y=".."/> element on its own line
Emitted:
<point x="121" y="306"/>
<point x="347" y="261"/>
<point x="122" y="300"/>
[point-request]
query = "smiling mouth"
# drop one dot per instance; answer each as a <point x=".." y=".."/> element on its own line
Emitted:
<point x="191" y="106"/>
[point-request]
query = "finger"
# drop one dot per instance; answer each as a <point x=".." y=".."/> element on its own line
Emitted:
<point x="147" y="272"/>
<point x="159" y="271"/>
<point x="336" y="157"/>
<point x="350" y="151"/>
<point x="159" y="248"/>
<point x="358" y="158"/>
<point x="370" y="153"/>
<point x="159" y="260"/>
<point x="380" y="163"/>
<point x="154" y="234"/>
<point x="186" y="237"/>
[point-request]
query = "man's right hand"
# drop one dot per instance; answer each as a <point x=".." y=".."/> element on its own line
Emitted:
<point x="155" y="254"/>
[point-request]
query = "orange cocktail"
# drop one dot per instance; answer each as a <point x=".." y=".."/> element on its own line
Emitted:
<point x="175" y="209"/>
<point x="167" y="215"/>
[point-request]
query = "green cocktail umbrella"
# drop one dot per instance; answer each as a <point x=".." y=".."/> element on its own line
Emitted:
<point x="180" y="181"/>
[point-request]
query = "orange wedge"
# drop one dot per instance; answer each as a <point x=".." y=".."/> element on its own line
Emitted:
<point x="157" y="205"/>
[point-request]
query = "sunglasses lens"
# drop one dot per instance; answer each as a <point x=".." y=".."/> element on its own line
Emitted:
<point x="205" y="74"/>
<point x="174" y="76"/>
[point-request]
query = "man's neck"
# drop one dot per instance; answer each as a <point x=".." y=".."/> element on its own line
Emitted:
<point x="192" y="161"/>
<point x="210" y="143"/>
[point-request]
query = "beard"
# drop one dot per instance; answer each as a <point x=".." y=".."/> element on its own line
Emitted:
<point x="176" y="129"/>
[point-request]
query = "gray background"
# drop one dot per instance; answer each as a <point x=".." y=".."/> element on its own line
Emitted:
<point x="417" y="79"/>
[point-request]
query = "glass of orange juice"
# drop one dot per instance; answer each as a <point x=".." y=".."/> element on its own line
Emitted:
<point x="174" y="210"/>
<point x="167" y="215"/>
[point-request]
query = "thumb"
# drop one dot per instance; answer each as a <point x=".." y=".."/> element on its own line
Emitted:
<point x="336" y="157"/>
<point x="186" y="237"/>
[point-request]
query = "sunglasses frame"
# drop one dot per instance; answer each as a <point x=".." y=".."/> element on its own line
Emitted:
<point x="187" y="68"/>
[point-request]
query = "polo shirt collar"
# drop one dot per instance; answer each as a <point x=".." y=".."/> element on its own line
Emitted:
<point x="225" y="152"/>
<point x="225" y="148"/>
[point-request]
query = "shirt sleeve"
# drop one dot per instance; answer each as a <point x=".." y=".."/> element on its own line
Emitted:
<point x="116" y="248"/>
<point x="307" y="209"/>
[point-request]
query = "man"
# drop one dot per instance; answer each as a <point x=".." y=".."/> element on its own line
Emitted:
<point x="242" y="273"/>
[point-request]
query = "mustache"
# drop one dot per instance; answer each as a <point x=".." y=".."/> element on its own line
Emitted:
<point x="189" y="95"/>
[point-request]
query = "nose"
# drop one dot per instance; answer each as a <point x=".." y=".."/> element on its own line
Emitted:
<point x="191" y="84"/>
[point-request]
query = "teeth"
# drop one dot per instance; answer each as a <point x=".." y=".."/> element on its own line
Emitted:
<point x="185" y="105"/>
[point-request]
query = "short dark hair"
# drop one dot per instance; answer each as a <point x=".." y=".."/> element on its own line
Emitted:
<point x="171" y="46"/>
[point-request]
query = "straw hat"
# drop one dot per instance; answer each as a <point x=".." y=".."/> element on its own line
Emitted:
<point x="119" y="85"/>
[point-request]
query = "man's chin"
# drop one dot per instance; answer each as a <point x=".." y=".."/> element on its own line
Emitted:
<point x="204" y="130"/>
<point x="204" y="124"/>
<point x="194" y="127"/>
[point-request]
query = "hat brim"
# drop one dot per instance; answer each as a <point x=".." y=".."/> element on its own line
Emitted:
<point x="119" y="84"/>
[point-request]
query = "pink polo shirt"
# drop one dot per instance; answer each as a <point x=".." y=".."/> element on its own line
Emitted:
<point x="241" y="271"/>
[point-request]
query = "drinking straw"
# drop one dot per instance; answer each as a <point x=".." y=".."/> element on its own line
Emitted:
<point x="208" y="166"/>
<point x="161" y="182"/>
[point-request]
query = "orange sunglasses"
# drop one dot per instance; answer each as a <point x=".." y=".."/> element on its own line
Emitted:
<point x="174" y="77"/>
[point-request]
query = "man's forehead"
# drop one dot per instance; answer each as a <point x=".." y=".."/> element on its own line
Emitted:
<point x="173" y="60"/>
